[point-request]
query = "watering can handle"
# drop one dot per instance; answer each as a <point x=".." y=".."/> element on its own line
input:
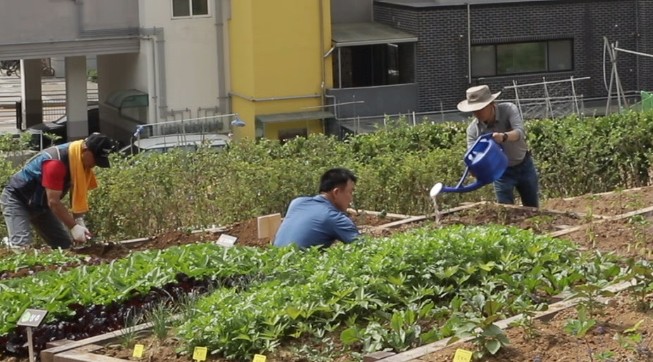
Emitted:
<point x="486" y="137"/>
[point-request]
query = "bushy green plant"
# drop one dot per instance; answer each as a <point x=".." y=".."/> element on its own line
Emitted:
<point x="397" y="165"/>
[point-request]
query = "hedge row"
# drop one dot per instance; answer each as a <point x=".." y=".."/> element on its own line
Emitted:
<point x="396" y="166"/>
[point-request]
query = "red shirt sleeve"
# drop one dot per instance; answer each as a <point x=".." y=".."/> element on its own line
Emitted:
<point x="54" y="175"/>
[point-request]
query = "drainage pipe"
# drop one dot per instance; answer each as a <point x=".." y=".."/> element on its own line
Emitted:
<point x="268" y="99"/>
<point x="222" y="58"/>
<point x="155" y="37"/>
<point x="469" y="44"/>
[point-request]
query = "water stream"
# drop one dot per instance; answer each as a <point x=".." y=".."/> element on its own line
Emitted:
<point x="436" y="209"/>
<point x="435" y="190"/>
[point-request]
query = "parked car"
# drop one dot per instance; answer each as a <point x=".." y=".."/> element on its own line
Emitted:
<point x="59" y="128"/>
<point x="187" y="142"/>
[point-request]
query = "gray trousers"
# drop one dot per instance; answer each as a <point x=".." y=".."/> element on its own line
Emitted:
<point x="19" y="219"/>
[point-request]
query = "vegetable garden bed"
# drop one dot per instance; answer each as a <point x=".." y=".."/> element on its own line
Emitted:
<point x="43" y="259"/>
<point x="621" y="332"/>
<point x="366" y="283"/>
<point x="539" y="221"/>
<point x="608" y="203"/>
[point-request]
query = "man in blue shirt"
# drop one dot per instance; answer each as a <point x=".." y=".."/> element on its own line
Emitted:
<point x="321" y="220"/>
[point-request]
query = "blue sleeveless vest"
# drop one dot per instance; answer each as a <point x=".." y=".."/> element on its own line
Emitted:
<point x="26" y="184"/>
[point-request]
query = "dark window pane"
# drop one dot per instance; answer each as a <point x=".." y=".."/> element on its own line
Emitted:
<point x="483" y="61"/>
<point x="560" y="55"/>
<point x="180" y="8"/>
<point x="374" y="65"/>
<point x="200" y="7"/>
<point x="392" y="64"/>
<point x="521" y="58"/>
<point x="290" y="133"/>
<point x="407" y="63"/>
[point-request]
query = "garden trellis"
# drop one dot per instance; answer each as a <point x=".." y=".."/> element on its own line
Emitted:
<point x="612" y="50"/>
<point x="547" y="99"/>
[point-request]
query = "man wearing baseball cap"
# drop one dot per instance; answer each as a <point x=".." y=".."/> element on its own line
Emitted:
<point x="33" y="195"/>
<point x="505" y="123"/>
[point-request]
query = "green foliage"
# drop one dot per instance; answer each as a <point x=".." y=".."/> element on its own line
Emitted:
<point x="369" y="293"/>
<point x="113" y="282"/>
<point x="13" y="152"/>
<point x="578" y="155"/>
<point x="641" y="272"/>
<point x="527" y="321"/>
<point x="579" y="327"/>
<point x="397" y="165"/>
<point x="476" y="318"/>
<point x="372" y="295"/>
<point x="128" y="337"/>
<point x="36" y="257"/>
<point x="159" y="316"/>
<point x="599" y="273"/>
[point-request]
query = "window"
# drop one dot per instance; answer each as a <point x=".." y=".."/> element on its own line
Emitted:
<point x="186" y="8"/>
<point x="522" y="58"/>
<point x="374" y="65"/>
<point x="290" y="133"/>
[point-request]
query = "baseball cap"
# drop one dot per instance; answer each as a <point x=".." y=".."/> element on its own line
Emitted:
<point x="101" y="146"/>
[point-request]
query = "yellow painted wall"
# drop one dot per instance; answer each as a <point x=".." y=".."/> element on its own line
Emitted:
<point x="276" y="50"/>
<point x="240" y="52"/>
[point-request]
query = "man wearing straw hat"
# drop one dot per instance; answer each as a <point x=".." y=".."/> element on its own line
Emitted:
<point x="505" y="124"/>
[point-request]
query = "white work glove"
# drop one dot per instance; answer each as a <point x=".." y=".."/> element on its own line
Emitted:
<point x="80" y="221"/>
<point x="80" y="234"/>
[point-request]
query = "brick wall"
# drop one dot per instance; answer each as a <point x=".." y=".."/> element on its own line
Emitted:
<point x="442" y="51"/>
<point x="645" y="43"/>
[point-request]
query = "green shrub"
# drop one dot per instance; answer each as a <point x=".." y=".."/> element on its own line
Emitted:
<point x="397" y="166"/>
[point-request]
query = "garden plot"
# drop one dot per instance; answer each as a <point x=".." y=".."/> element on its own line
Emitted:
<point x="458" y="257"/>
<point x="608" y="203"/>
<point x="543" y="221"/>
<point x="619" y="330"/>
<point x="43" y="259"/>
<point x="628" y="236"/>
<point x="540" y="221"/>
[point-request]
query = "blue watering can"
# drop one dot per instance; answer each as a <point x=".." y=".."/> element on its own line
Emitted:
<point x="485" y="159"/>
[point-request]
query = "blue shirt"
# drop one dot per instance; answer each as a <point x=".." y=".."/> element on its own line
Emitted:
<point x="314" y="221"/>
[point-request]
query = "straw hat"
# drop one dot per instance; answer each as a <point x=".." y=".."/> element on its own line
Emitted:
<point x="477" y="98"/>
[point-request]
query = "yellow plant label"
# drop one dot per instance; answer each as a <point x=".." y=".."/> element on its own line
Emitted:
<point x="462" y="356"/>
<point x="138" y="350"/>
<point x="199" y="354"/>
<point x="259" y="358"/>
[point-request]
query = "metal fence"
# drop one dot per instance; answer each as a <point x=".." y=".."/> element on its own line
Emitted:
<point x="53" y="109"/>
<point x="218" y="124"/>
